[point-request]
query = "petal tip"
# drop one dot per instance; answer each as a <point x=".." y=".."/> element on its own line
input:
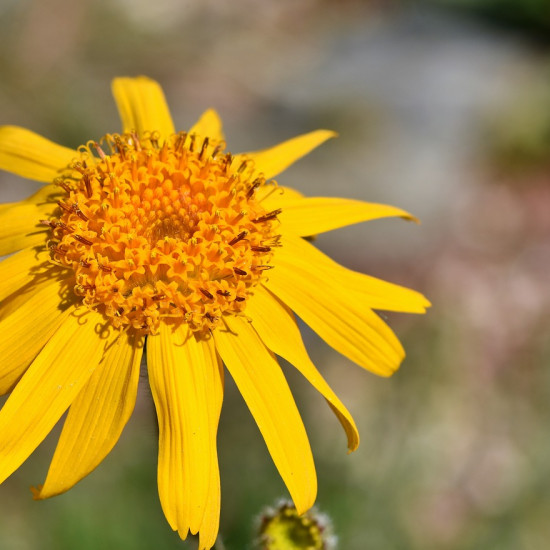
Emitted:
<point x="410" y="218"/>
<point x="37" y="492"/>
<point x="330" y="134"/>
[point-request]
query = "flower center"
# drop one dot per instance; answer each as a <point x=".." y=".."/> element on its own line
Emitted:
<point x="169" y="232"/>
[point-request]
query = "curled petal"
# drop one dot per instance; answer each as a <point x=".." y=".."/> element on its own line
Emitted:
<point x="276" y="326"/>
<point x="266" y="392"/>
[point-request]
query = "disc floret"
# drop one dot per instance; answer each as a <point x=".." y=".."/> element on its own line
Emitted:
<point x="169" y="231"/>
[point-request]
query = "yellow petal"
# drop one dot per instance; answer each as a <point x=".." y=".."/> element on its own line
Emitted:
<point x="20" y="226"/>
<point x="96" y="417"/>
<point x="370" y="292"/>
<point x="211" y="521"/>
<point x="49" y="386"/>
<point x="209" y="528"/>
<point x="27" y="154"/>
<point x="45" y="194"/>
<point x="209" y="125"/>
<point x="276" y="326"/>
<point x="186" y="380"/>
<point x="313" y="215"/>
<point x="274" y="160"/>
<point x="21" y="268"/>
<point x="265" y="390"/>
<point x="273" y="197"/>
<point x="27" y="329"/>
<point x="339" y="315"/>
<point x="142" y="106"/>
<point x="42" y="275"/>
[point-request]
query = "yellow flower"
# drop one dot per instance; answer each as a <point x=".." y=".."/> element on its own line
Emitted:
<point x="162" y="238"/>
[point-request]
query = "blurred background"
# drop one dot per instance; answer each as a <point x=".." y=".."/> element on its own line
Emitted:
<point x="443" y="108"/>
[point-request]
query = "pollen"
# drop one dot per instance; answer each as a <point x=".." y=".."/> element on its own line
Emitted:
<point x="170" y="232"/>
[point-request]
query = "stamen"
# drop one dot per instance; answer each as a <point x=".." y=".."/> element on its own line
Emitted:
<point x="136" y="141"/>
<point x="228" y="160"/>
<point x="65" y="207"/>
<point x="203" y="148"/>
<point x="82" y="240"/>
<point x="238" y="238"/>
<point x="269" y="216"/>
<point x="255" y="184"/>
<point x="206" y="293"/>
<point x="180" y="141"/>
<point x="87" y="287"/>
<point x="65" y="186"/>
<point x="242" y="167"/>
<point x="87" y="184"/>
<point x="56" y="250"/>
<point x="216" y="151"/>
<point x="79" y="212"/>
<point x="99" y="151"/>
<point x="62" y="226"/>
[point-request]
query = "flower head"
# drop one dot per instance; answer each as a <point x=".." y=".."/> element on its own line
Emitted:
<point x="281" y="528"/>
<point x="157" y="237"/>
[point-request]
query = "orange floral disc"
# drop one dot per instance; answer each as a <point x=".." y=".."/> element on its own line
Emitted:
<point x="171" y="231"/>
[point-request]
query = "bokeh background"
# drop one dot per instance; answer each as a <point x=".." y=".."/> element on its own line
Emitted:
<point x="443" y="108"/>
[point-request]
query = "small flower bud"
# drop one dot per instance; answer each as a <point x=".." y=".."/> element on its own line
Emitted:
<point x="281" y="528"/>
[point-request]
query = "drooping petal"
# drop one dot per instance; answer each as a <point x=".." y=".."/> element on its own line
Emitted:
<point x="276" y="326"/>
<point x="28" y="328"/>
<point x="49" y="386"/>
<point x="339" y="315"/>
<point x="274" y="160"/>
<point x="209" y="125"/>
<point x="96" y="417"/>
<point x="27" y="154"/>
<point x="313" y="215"/>
<point x="186" y="380"/>
<point x="20" y="226"/>
<point x="20" y="269"/>
<point x="142" y="106"/>
<point x="265" y="390"/>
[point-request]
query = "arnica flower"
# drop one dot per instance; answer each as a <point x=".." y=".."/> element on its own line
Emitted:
<point x="160" y="240"/>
